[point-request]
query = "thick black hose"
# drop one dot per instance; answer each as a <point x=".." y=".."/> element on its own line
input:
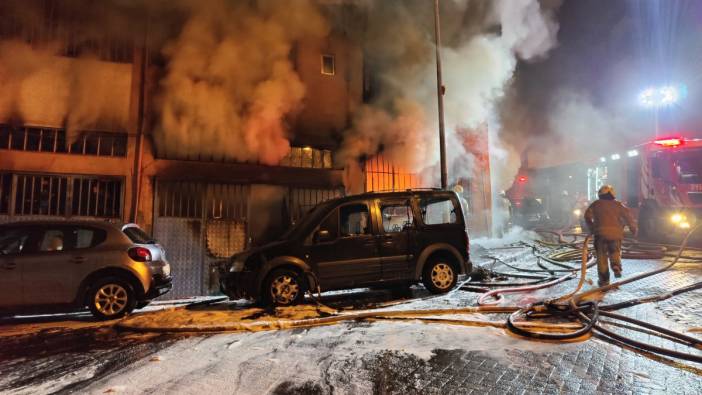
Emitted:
<point x="587" y="325"/>
<point x="649" y="347"/>
<point x="655" y="298"/>
<point x="691" y="341"/>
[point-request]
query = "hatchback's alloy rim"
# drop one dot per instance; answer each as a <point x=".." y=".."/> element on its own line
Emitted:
<point x="284" y="289"/>
<point x="111" y="299"/>
<point x="442" y="275"/>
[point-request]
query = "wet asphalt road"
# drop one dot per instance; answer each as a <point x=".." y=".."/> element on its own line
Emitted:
<point x="58" y="355"/>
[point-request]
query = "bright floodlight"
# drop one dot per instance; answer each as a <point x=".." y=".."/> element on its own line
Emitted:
<point x="647" y="98"/>
<point x="632" y="153"/>
<point x="663" y="96"/>
<point x="669" y="95"/>
<point x="615" y="156"/>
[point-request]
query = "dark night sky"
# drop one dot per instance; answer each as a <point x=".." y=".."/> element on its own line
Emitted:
<point x="608" y="51"/>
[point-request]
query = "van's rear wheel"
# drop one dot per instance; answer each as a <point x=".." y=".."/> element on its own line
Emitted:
<point x="439" y="276"/>
<point x="284" y="287"/>
<point x="111" y="298"/>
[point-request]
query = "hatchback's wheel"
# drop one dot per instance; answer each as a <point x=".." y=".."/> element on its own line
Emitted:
<point x="111" y="298"/>
<point x="439" y="276"/>
<point x="284" y="287"/>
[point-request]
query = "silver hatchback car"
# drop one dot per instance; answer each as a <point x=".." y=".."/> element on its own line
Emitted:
<point x="110" y="269"/>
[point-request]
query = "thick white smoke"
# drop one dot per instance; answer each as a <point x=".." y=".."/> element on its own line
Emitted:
<point x="42" y="89"/>
<point x="231" y="83"/>
<point x="483" y="44"/>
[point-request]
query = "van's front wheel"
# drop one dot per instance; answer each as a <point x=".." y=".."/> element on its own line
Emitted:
<point x="439" y="276"/>
<point x="284" y="287"/>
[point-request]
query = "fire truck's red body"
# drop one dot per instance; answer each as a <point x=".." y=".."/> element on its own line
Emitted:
<point x="661" y="181"/>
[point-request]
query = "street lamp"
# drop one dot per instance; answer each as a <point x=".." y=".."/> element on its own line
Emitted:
<point x="659" y="97"/>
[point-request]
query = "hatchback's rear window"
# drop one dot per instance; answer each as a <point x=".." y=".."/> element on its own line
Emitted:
<point x="138" y="236"/>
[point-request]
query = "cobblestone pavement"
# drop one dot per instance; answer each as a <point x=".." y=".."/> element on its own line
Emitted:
<point x="381" y="357"/>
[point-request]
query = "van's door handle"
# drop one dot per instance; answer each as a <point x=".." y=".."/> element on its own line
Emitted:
<point x="78" y="259"/>
<point x="9" y="266"/>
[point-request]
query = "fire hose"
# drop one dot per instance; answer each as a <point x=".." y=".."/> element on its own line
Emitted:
<point x="588" y="312"/>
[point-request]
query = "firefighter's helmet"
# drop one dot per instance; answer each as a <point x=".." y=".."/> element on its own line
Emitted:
<point x="605" y="189"/>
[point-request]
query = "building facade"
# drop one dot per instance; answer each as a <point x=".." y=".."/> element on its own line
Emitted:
<point x="200" y="210"/>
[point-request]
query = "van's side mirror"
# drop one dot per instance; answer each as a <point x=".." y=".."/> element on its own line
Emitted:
<point x="322" y="236"/>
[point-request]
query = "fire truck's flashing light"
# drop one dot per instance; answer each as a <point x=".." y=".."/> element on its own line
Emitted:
<point x="669" y="142"/>
<point x="523" y="179"/>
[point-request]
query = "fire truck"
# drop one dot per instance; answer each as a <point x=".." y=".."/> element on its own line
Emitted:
<point x="660" y="181"/>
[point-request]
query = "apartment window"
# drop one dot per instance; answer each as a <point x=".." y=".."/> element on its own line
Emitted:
<point x="328" y="65"/>
<point x="37" y="139"/>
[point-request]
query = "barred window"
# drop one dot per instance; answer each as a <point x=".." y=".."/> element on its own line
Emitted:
<point x="60" y="195"/>
<point x="383" y="175"/>
<point x="41" y="195"/>
<point x="38" y="139"/>
<point x="179" y="199"/>
<point x="94" y="197"/>
<point x="5" y="188"/>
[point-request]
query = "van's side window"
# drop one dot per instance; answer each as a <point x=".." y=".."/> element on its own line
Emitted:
<point x="438" y="211"/>
<point x="396" y="217"/>
<point x="355" y="220"/>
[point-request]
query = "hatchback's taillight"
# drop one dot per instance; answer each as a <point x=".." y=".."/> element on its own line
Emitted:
<point x="140" y="254"/>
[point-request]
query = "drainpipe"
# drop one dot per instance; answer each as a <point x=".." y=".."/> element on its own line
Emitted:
<point x="136" y="191"/>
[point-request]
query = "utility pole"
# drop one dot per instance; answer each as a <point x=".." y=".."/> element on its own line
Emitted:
<point x="440" y="95"/>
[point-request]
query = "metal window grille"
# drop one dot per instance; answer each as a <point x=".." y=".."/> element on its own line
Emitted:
<point x="97" y="197"/>
<point x="198" y="200"/>
<point x="382" y="175"/>
<point x="5" y="188"/>
<point x="61" y="195"/>
<point x="180" y="199"/>
<point x="302" y="200"/>
<point x="41" y="195"/>
<point x="38" y="139"/>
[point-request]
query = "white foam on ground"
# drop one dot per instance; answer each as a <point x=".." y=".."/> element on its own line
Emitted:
<point x="254" y="363"/>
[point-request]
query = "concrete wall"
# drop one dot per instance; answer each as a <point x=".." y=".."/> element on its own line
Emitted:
<point x="330" y="99"/>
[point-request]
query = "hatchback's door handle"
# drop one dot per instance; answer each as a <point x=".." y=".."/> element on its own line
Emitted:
<point x="9" y="266"/>
<point x="78" y="259"/>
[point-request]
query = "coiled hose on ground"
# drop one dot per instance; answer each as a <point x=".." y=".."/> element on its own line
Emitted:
<point x="574" y="306"/>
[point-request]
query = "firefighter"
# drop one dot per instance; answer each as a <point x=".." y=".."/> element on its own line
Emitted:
<point x="606" y="218"/>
